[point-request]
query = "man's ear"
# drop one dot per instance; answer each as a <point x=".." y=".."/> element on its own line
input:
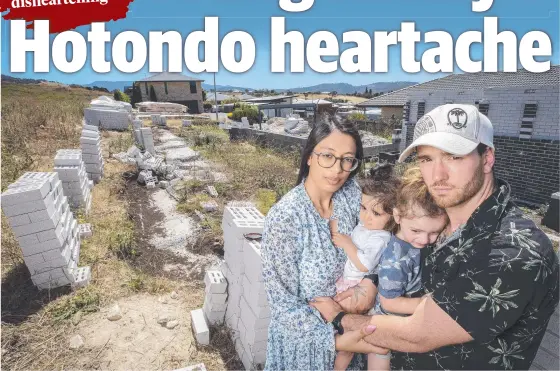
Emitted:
<point x="488" y="160"/>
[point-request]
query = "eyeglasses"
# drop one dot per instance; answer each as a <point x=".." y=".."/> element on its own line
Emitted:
<point x="327" y="160"/>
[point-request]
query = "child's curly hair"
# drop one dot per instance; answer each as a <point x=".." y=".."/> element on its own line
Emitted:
<point x="413" y="191"/>
<point x="382" y="184"/>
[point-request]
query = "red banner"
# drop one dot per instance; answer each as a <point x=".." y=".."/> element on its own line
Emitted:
<point x="65" y="15"/>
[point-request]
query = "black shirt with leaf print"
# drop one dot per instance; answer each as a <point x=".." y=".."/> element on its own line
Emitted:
<point x="497" y="277"/>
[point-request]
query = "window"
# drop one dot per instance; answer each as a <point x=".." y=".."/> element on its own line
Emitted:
<point x="193" y="87"/>
<point x="165" y="85"/>
<point x="530" y="110"/>
<point x="421" y="110"/>
<point x="484" y="108"/>
<point x="526" y="130"/>
<point x="146" y="86"/>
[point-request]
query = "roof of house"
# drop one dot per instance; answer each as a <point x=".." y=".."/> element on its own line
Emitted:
<point x="219" y="96"/>
<point x="271" y="98"/>
<point x="469" y="81"/>
<point x="170" y="76"/>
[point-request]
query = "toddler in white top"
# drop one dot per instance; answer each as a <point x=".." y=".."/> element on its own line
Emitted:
<point x="365" y="246"/>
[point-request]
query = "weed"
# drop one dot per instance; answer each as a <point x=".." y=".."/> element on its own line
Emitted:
<point x="85" y="300"/>
<point x="266" y="198"/>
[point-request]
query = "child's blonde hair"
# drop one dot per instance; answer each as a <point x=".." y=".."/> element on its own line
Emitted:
<point x="413" y="191"/>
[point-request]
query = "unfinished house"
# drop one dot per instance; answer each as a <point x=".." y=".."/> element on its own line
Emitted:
<point x="173" y="87"/>
<point x="524" y="109"/>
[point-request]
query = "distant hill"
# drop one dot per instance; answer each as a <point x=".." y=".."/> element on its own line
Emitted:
<point x="340" y="88"/>
<point x="110" y="85"/>
<point x="343" y="88"/>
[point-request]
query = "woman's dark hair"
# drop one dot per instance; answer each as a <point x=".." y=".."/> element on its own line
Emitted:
<point x="320" y="131"/>
<point x="382" y="184"/>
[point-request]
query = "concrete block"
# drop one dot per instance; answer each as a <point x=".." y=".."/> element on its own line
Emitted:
<point x="243" y="213"/>
<point x="210" y="306"/>
<point x="67" y="159"/>
<point x="90" y="127"/>
<point x="249" y="319"/>
<point x="90" y="134"/>
<point x="213" y="317"/>
<point x="217" y="299"/>
<point x="256" y="297"/>
<point x="26" y="193"/>
<point x="200" y="327"/>
<point x="150" y="185"/>
<point x="253" y="261"/>
<point x="85" y="230"/>
<point x="82" y="276"/>
<point x="90" y="141"/>
<point x="215" y="282"/>
<point x="18" y="220"/>
<point x="212" y="191"/>
<point x="231" y="318"/>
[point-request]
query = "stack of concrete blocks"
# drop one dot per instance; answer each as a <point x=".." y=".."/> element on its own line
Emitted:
<point x="247" y="312"/>
<point x="107" y="119"/>
<point x="215" y="300"/>
<point x="46" y="230"/>
<point x="75" y="183"/>
<point x="90" y="144"/>
<point x="136" y="126"/>
<point x="159" y="120"/>
<point x="148" y="140"/>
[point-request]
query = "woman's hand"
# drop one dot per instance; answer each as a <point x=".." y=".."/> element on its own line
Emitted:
<point x="327" y="307"/>
<point x="358" y="299"/>
<point x="353" y="341"/>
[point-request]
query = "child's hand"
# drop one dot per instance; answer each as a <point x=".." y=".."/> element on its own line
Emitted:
<point x="343" y="241"/>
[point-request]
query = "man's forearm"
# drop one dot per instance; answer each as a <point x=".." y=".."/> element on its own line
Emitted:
<point x="392" y="332"/>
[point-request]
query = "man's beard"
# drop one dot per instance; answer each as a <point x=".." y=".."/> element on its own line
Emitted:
<point x="463" y="194"/>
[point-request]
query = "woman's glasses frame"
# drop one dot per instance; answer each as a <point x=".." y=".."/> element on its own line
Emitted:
<point x="355" y="163"/>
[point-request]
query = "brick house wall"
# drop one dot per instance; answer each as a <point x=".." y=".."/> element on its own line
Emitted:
<point x="175" y="92"/>
<point x="526" y="133"/>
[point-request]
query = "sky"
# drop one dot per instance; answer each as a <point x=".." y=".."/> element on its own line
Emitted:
<point x="336" y="16"/>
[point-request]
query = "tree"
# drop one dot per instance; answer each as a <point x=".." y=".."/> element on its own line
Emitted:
<point x="136" y="94"/>
<point x="120" y="96"/>
<point x="153" y="96"/>
<point x="203" y="95"/>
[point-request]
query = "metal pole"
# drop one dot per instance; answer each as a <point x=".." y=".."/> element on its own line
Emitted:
<point x="216" y="97"/>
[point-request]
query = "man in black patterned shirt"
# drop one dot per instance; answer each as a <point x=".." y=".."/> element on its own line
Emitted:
<point x="491" y="279"/>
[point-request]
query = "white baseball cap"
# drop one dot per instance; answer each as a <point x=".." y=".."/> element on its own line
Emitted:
<point x="454" y="128"/>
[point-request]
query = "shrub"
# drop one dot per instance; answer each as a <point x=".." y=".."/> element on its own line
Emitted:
<point x="207" y="105"/>
<point x="136" y="95"/>
<point x="245" y="110"/>
<point x="120" y="96"/>
<point x="357" y="116"/>
<point x="230" y="100"/>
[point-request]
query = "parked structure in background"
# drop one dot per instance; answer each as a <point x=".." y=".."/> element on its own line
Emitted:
<point x="524" y="109"/>
<point x="173" y="87"/>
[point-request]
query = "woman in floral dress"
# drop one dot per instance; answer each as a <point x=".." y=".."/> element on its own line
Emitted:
<point x="299" y="259"/>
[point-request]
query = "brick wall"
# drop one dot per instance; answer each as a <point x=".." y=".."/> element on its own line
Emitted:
<point x="530" y="166"/>
<point x="530" y="163"/>
<point x="177" y="91"/>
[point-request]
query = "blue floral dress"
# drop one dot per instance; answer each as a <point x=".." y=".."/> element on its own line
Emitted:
<point x="300" y="262"/>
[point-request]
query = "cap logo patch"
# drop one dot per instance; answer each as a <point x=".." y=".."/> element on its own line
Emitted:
<point x="424" y="126"/>
<point x="457" y="118"/>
